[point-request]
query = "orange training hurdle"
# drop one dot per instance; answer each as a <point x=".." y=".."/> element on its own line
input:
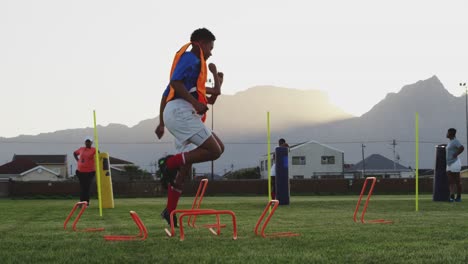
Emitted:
<point x="196" y="205"/>
<point x="198" y="200"/>
<point x="196" y="212"/>
<point x="83" y="208"/>
<point x="364" y="210"/>
<point x="141" y="236"/>
<point x="275" y="204"/>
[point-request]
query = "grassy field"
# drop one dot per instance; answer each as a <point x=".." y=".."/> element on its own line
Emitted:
<point x="31" y="231"/>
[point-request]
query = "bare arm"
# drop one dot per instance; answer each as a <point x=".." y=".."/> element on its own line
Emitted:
<point x="160" y="128"/>
<point x="216" y="90"/>
<point x="76" y="156"/>
<point x="460" y="150"/>
<point x="213" y="97"/>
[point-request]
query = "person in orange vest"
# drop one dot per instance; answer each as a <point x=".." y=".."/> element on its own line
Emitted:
<point x="159" y="131"/>
<point x="185" y="112"/>
<point x="86" y="171"/>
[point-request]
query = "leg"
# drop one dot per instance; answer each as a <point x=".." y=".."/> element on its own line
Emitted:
<point x="459" y="186"/>
<point x="273" y="188"/>
<point x="187" y="127"/>
<point x="82" y="185"/>
<point x="174" y="193"/>
<point x="452" y="184"/>
<point x="185" y="171"/>
<point x="220" y="143"/>
<point x="208" y="151"/>
<point x="87" y="185"/>
<point x="176" y="190"/>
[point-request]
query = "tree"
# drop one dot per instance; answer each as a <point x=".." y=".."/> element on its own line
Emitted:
<point x="247" y="173"/>
<point x="135" y="173"/>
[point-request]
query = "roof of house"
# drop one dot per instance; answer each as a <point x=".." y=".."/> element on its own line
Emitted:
<point x="43" y="159"/>
<point x="423" y="172"/>
<point x="115" y="161"/>
<point x="39" y="168"/>
<point x="305" y="143"/>
<point x="17" y="166"/>
<point x="378" y="162"/>
<point x="314" y="142"/>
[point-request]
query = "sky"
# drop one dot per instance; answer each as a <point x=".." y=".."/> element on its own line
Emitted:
<point x="62" y="59"/>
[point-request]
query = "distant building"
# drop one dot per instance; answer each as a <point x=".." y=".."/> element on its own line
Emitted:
<point x="118" y="172"/>
<point x="55" y="163"/>
<point x="26" y="170"/>
<point x="39" y="173"/>
<point x="380" y="166"/>
<point x="52" y="168"/>
<point x="13" y="169"/>
<point x="119" y="164"/>
<point x="311" y="160"/>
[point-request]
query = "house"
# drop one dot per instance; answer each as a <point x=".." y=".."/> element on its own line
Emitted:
<point x="14" y="168"/>
<point x="118" y="171"/>
<point x="311" y="160"/>
<point x="55" y="163"/>
<point x="119" y="164"/>
<point x="26" y="170"/>
<point x="39" y="173"/>
<point x="380" y="166"/>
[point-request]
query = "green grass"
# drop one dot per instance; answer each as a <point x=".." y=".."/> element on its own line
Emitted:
<point x="31" y="231"/>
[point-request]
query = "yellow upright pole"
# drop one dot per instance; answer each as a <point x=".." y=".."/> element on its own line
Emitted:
<point x="98" y="169"/>
<point x="417" y="159"/>
<point x="268" y="155"/>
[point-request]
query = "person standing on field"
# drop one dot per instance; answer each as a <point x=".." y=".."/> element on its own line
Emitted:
<point x="453" y="149"/>
<point x="85" y="159"/>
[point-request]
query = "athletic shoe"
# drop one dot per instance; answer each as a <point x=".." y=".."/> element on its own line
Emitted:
<point x="458" y="199"/>
<point x="451" y="200"/>
<point x="167" y="216"/>
<point x="167" y="175"/>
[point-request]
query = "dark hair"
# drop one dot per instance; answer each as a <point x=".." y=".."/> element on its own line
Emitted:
<point x="202" y="34"/>
<point x="281" y="141"/>
<point x="452" y="130"/>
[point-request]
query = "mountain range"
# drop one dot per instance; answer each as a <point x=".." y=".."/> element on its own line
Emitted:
<point x="296" y="115"/>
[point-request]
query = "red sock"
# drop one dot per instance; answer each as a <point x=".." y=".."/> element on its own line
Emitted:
<point x="173" y="196"/>
<point x="175" y="161"/>
<point x="273" y="195"/>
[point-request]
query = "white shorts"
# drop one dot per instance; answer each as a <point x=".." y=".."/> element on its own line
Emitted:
<point x="185" y="125"/>
<point x="273" y="170"/>
<point x="454" y="167"/>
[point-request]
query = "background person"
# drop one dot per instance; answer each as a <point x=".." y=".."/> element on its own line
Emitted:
<point x="281" y="143"/>
<point x="86" y="171"/>
<point x="453" y="149"/>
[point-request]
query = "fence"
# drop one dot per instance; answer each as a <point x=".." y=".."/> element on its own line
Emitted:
<point x="231" y="187"/>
